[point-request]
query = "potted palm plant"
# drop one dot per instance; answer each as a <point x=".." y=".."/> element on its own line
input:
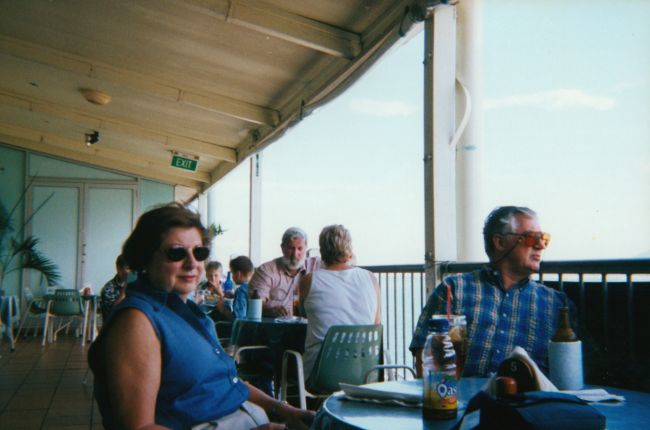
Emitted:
<point x="21" y="253"/>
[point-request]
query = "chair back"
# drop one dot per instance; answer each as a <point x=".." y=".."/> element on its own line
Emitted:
<point x="347" y="353"/>
<point x="67" y="303"/>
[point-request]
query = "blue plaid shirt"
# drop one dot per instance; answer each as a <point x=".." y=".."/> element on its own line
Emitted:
<point x="526" y="315"/>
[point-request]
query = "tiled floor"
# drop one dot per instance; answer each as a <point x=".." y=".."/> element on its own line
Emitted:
<point x="42" y="388"/>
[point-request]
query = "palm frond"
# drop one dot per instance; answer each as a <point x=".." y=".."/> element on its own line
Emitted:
<point x="36" y="261"/>
<point x="215" y="230"/>
<point x="26" y="246"/>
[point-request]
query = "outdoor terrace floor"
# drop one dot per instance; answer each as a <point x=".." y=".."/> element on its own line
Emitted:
<point x="42" y="388"/>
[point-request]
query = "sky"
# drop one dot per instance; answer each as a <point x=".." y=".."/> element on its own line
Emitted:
<point x="566" y="113"/>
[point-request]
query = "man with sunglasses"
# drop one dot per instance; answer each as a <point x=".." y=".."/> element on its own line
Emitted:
<point x="276" y="281"/>
<point x="503" y="306"/>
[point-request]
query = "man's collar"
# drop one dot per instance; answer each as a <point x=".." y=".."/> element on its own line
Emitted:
<point x="493" y="276"/>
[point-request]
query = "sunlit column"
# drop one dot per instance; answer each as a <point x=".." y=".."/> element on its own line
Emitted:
<point x="255" y="209"/>
<point x="470" y="146"/>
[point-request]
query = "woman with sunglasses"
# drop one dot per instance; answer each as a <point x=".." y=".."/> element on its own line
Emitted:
<point x="157" y="361"/>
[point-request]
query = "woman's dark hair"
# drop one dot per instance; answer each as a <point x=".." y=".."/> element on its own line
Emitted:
<point x="151" y="228"/>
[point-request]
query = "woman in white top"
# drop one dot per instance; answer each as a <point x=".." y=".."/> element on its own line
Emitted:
<point x="336" y="294"/>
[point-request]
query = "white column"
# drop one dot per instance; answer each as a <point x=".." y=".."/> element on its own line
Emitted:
<point x="470" y="146"/>
<point x="212" y="217"/>
<point x="255" y="210"/>
<point x="439" y="126"/>
<point x="202" y="206"/>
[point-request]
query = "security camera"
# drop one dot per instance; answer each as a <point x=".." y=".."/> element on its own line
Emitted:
<point x="92" y="138"/>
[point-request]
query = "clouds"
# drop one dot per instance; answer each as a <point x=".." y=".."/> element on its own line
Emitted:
<point x="382" y="108"/>
<point x="560" y="99"/>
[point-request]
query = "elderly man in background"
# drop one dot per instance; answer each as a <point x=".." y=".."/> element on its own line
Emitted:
<point x="276" y="281"/>
<point x="503" y="306"/>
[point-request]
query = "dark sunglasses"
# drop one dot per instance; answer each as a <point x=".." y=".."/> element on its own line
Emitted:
<point x="178" y="253"/>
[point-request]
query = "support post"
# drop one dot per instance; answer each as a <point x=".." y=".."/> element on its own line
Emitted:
<point x="255" y="209"/>
<point x="439" y="127"/>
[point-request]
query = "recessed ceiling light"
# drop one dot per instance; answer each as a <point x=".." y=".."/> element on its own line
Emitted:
<point x="96" y="97"/>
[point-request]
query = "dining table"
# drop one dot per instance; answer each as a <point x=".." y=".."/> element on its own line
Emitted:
<point x="340" y="413"/>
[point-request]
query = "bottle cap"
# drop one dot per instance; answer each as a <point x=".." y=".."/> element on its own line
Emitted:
<point x="438" y="324"/>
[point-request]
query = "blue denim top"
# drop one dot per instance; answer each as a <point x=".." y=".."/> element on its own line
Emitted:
<point x="240" y="303"/>
<point x="199" y="380"/>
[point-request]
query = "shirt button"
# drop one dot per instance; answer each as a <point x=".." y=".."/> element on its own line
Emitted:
<point x="501" y="331"/>
<point x="216" y="350"/>
<point x="498" y="351"/>
<point x="235" y="379"/>
<point x="504" y="315"/>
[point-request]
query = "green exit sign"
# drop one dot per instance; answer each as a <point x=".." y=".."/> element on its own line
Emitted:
<point x="185" y="162"/>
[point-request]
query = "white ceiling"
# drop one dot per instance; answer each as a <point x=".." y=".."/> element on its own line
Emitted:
<point x="215" y="79"/>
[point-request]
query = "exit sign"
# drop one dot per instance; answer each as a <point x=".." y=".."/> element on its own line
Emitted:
<point x="185" y="162"/>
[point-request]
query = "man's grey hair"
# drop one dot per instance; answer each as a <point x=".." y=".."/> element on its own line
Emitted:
<point x="293" y="233"/>
<point x="502" y="220"/>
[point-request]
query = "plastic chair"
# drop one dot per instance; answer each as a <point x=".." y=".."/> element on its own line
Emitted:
<point x="66" y="303"/>
<point x="348" y="353"/>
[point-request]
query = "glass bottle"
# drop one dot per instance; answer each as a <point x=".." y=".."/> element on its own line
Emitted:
<point x="565" y="356"/>
<point x="440" y="386"/>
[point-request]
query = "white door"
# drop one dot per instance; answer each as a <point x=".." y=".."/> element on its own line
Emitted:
<point x="81" y="228"/>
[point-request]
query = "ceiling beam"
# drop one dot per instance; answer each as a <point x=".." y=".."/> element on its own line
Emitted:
<point x="167" y="140"/>
<point x="325" y="82"/>
<point x="167" y="90"/>
<point x="117" y="161"/>
<point x="272" y="21"/>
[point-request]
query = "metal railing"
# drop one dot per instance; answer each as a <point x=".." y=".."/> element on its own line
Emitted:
<point x="612" y="298"/>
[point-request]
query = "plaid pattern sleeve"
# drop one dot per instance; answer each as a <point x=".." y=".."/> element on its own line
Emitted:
<point x="108" y="295"/>
<point x="497" y="320"/>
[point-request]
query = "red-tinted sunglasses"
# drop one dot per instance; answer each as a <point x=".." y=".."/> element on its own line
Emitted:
<point x="531" y="239"/>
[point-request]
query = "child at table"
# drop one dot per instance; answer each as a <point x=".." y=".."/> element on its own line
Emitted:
<point x="242" y="269"/>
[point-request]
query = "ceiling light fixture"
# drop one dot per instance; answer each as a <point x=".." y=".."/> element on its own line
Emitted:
<point x="96" y="97"/>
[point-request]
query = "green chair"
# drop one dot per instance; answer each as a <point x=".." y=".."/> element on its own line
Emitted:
<point x="348" y="353"/>
<point x="66" y="304"/>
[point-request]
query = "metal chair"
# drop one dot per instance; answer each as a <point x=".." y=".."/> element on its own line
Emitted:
<point x="66" y="303"/>
<point x="348" y="353"/>
<point x="36" y="309"/>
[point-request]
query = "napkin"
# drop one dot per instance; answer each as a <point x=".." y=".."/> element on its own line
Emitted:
<point x="544" y="384"/>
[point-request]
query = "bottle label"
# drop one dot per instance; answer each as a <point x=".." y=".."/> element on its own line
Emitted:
<point x="440" y="390"/>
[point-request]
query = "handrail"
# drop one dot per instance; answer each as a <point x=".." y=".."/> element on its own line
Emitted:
<point x="639" y="266"/>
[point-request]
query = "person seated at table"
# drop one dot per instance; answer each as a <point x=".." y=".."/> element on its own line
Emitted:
<point x="211" y="287"/>
<point x="503" y="306"/>
<point x="158" y="362"/>
<point x="242" y="269"/>
<point x="276" y="281"/>
<point x="337" y="293"/>
<point x="113" y="291"/>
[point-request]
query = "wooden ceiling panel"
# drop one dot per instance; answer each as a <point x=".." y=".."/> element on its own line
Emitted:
<point x="219" y="79"/>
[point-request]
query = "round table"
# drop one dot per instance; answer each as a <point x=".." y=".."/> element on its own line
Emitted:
<point x="338" y="413"/>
